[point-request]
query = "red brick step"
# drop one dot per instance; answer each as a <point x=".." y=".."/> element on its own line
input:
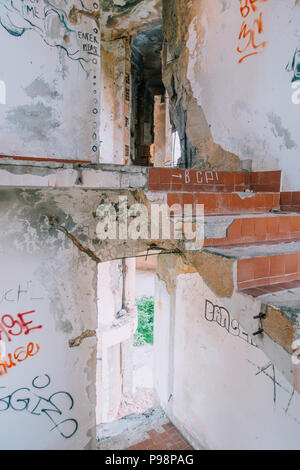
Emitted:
<point x="227" y="203"/>
<point x="178" y="180"/>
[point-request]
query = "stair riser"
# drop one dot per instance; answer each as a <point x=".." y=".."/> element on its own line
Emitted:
<point x="176" y="180"/>
<point x="268" y="270"/>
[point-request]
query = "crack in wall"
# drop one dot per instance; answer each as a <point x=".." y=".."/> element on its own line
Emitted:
<point x="53" y="222"/>
<point x="75" y="342"/>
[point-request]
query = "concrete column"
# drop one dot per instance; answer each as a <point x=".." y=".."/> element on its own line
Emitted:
<point x="122" y="100"/>
<point x="159" y="131"/>
<point x="129" y="305"/>
<point x="162" y="132"/>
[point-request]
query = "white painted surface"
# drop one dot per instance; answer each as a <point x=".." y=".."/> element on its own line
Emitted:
<point x="145" y="283"/>
<point x="248" y="105"/>
<point x="219" y="395"/>
<point x="50" y="69"/>
<point x="162" y="338"/>
<point x="55" y="421"/>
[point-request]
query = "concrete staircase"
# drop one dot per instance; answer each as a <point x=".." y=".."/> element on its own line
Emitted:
<point x="250" y="257"/>
<point x="249" y="221"/>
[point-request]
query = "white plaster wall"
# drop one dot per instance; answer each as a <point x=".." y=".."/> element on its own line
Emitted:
<point x="47" y="399"/>
<point x="109" y="291"/>
<point x="225" y="392"/>
<point x="145" y="283"/>
<point x="50" y="69"/>
<point x="43" y="419"/>
<point x="162" y="343"/>
<point x="107" y="120"/>
<point x="248" y="105"/>
<point x="108" y="378"/>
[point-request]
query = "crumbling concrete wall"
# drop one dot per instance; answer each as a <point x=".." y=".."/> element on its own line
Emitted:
<point x="229" y="73"/>
<point x="213" y="381"/>
<point x="48" y="320"/>
<point x="50" y="67"/>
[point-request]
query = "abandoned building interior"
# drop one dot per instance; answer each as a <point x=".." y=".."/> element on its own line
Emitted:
<point x="173" y="103"/>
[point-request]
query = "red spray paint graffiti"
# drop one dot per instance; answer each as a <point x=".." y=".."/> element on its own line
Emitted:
<point x="14" y="327"/>
<point x="11" y="327"/>
<point x="19" y="355"/>
<point x="251" y="29"/>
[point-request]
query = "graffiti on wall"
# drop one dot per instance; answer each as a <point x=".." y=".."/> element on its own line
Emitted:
<point x="251" y="33"/>
<point x="221" y="316"/>
<point x="294" y="65"/>
<point x="13" y="326"/>
<point x="37" y="401"/>
<point x="60" y="28"/>
<point x="18" y="292"/>
<point x="281" y="393"/>
<point x="286" y="391"/>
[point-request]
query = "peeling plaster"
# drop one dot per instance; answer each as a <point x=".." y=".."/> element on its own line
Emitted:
<point x="74" y="343"/>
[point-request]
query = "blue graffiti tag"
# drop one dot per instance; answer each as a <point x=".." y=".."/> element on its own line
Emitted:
<point x="23" y="399"/>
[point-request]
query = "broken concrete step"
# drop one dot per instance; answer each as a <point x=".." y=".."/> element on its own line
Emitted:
<point x="280" y="321"/>
<point x="264" y="265"/>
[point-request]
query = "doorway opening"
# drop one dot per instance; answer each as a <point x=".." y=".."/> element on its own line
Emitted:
<point x="147" y="90"/>
<point x="126" y="290"/>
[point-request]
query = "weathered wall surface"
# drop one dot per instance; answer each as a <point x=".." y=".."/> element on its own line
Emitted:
<point x="50" y="67"/>
<point x="220" y="389"/>
<point x="48" y="318"/>
<point x="234" y="87"/>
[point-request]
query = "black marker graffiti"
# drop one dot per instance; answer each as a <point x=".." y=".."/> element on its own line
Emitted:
<point x="31" y="401"/>
<point x="19" y="292"/>
<point x="276" y="384"/>
<point x="220" y="315"/>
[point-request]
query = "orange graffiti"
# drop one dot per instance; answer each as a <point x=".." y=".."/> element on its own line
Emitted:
<point x="248" y="33"/>
<point x="19" y="355"/>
